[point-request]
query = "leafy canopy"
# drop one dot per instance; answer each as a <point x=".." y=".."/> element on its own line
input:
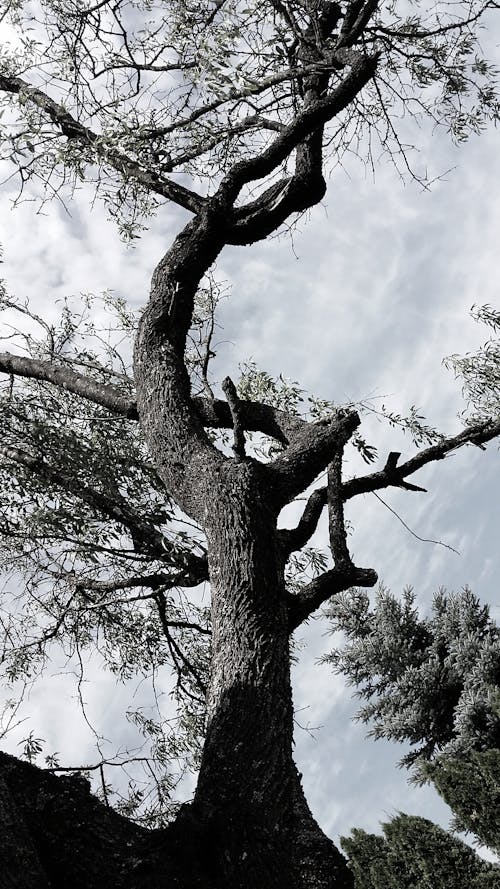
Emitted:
<point x="148" y="89"/>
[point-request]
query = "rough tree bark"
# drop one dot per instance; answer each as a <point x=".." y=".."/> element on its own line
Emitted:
<point x="249" y="795"/>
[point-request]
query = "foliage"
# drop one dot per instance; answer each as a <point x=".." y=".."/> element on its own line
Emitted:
<point x="194" y="87"/>
<point x="480" y="371"/>
<point x="97" y="573"/>
<point x="414" y="853"/>
<point x="432" y="682"/>
<point x="471" y="787"/>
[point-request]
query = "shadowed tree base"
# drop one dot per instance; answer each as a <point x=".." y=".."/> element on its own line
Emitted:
<point x="55" y="834"/>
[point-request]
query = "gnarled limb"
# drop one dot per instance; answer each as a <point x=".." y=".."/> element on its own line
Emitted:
<point x="336" y="525"/>
<point x="309" y="119"/>
<point x="292" y="539"/>
<point x="65" y="377"/>
<point x="256" y="417"/>
<point x="309" y="453"/>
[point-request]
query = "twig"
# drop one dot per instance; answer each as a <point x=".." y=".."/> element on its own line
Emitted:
<point x="423" y="539"/>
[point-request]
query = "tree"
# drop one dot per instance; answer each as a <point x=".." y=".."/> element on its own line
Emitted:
<point x="471" y="787"/>
<point x="433" y="682"/>
<point x="417" y="854"/>
<point x="249" y="102"/>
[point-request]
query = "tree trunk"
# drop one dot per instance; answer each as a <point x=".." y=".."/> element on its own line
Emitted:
<point x="249" y="817"/>
<point x="249" y="794"/>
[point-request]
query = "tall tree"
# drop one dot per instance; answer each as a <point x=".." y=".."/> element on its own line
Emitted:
<point x="249" y="102"/>
<point x="414" y="853"/>
<point x="471" y="787"/>
<point x="432" y="682"/>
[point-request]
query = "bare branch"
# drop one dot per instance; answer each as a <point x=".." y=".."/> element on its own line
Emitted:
<point x="392" y="475"/>
<point x="66" y="378"/>
<point x="233" y="401"/>
<point x="309" y="453"/>
<point x="305" y="123"/>
<point x="255" y="417"/>
<point x="292" y="539"/>
<point x="176" y="651"/>
<point x="302" y="604"/>
<point x="336" y="525"/>
<point x="185" y="578"/>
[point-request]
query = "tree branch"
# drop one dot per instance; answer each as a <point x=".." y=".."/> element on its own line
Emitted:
<point x="146" y="538"/>
<point x="80" y="384"/>
<point x="256" y="417"/>
<point x="336" y="525"/>
<point x="392" y="475"/>
<point x="176" y="652"/>
<point x="292" y="539"/>
<point x="233" y="401"/>
<point x="306" y="122"/>
<point x="309" y="453"/>
<point x="186" y="578"/>
<point x="302" y="604"/>
<point x="73" y="129"/>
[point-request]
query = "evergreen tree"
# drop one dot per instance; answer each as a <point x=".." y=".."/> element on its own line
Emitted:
<point x="414" y="853"/>
<point x="432" y="682"/>
<point x="471" y="787"/>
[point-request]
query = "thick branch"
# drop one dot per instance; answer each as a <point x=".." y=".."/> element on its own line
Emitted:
<point x="306" y="122"/>
<point x="233" y="401"/>
<point x="292" y="539"/>
<point x="256" y="417"/>
<point x="257" y="219"/>
<point x="357" y="16"/>
<point x="80" y="384"/>
<point x="309" y="454"/>
<point x="336" y="524"/>
<point x="393" y="475"/>
<point x="302" y="605"/>
<point x="186" y="578"/>
<point x="73" y="129"/>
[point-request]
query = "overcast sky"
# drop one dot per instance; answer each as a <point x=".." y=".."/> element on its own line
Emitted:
<point x="365" y="299"/>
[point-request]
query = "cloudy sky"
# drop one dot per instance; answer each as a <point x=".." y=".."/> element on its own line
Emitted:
<point x="363" y="301"/>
